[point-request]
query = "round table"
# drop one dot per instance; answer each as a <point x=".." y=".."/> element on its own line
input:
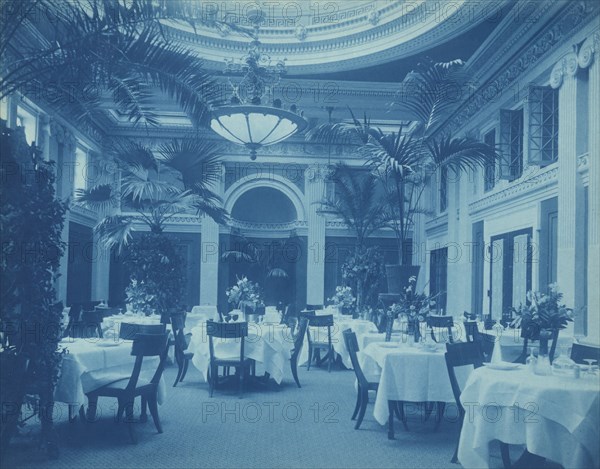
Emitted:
<point x="554" y="417"/>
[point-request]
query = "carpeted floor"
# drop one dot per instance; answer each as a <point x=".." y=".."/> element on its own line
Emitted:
<point x="276" y="426"/>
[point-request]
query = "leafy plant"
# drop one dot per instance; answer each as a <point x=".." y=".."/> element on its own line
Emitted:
<point x="343" y="297"/>
<point x="245" y="293"/>
<point x="364" y="272"/>
<point x="157" y="274"/>
<point x="31" y="222"/>
<point x="412" y="305"/>
<point x="156" y="186"/>
<point x="542" y="312"/>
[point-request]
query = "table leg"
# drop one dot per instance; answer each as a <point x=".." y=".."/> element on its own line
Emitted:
<point x="391" y="406"/>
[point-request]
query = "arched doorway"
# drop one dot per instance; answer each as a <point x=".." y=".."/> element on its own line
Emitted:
<point x="264" y="217"/>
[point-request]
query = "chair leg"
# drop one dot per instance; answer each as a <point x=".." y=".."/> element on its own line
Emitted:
<point x="241" y="378"/>
<point x="357" y="406"/>
<point x="120" y="410"/>
<point x="179" y="371"/>
<point x="129" y="420"/>
<point x="331" y="354"/>
<point x="505" y="453"/>
<point x="441" y="406"/>
<point x="392" y="409"/>
<point x="364" y="400"/>
<point x="153" y="405"/>
<point x="185" y="369"/>
<point x="399" y="411"/>
<point x="144" y="412"/>
<point x="92" y="406"/>
<point x="211" y="380"/>
<point x="310" y="357"/>
<point x="294" y="366"/>
<point x="454" y="459"/>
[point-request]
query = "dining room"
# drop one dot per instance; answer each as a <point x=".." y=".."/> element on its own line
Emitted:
<point x="358" y="233"/>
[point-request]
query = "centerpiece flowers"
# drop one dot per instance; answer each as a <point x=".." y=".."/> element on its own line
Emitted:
<point x="412" y="306"/>
<point x="542" y="317"/>
<point x="343" y="299"/>
<point x="244" y="295"/>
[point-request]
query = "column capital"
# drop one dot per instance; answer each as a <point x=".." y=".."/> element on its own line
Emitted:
<point x="318" y="172"/>
<point x="587" y="50"/>
<point x="566" y="66"/>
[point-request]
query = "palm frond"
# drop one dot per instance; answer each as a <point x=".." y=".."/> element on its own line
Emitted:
<point x="461" y="154"/>
<point x="133" y="156"/>
<point x="198" y="161"/>
<point x="137" y="187"/>
<point x="99" y="197"/>
<point x="114" y="231"/>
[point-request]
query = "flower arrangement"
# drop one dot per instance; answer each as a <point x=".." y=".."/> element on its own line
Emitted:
<point x="412" y="305"/>
<point x="245" y="293"/>
<point x="343" y="297"/>
<point x="542" y="312"/>
<point x="140" y="297"/>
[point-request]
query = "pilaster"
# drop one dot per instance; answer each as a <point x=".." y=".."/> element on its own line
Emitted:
<point x="315" y="269"/>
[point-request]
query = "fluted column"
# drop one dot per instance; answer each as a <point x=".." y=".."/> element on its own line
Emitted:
<point x="570" y="203"/>
<point x="209" y="256"/>
<point x="315" y="269"/>
<point x="588" y="57"/>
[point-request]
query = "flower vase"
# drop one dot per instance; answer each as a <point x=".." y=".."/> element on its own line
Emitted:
<point x="543" y="365"/>
<point x="414" y="329"/>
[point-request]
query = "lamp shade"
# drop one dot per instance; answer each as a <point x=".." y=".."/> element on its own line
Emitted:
<point x="255" y="126"/>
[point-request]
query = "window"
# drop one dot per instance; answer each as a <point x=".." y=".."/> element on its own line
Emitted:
<point x="489" y="172"/>
<point x="80" y="169"/>
<point x="543" y="125"/>
<point x="28" y="121"/>
<point x="511" y="144"/>
<point x="438" y="277"/>
<point x="443" y="189"/>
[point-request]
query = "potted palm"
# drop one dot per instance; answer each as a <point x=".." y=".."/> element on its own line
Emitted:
<point x="405" y="161"/>
<point x="155" y="186"/>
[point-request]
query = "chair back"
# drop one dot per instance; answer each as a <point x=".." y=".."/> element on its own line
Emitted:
<point x="87" y="326"/>
<point x="128" y="331"/>
<point x="461" y="354"/>
<point x="226" y="330"/>
<point x="441" y="322"/>
<point x="579" y="352"/>
<point x="486" y="345"/>
<point x="299" y="337"/>
<point x="310" y="307"/>
<point x="321" y="320"/>
<point x="148" y="345"/>
<point x="471" y="331"/>
<point x="352" y="346"/>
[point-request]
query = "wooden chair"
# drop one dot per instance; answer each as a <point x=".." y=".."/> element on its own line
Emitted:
<point x="128" y="331"/>
<point x="471" y="331"/>
<point x="127" y="389"/>
<point x="441" y="322"/>
<point x="315" y="346"/>
<point x="463" y="354"/>
<point x="91" y="324"/>
<point x="486" y="345"/>
<point x="224" y="330"/>
<point x="580" y="352"/>
<point x="298" y="343"/>
<point x="365" y="383"/>
<point x="181" y="343"/>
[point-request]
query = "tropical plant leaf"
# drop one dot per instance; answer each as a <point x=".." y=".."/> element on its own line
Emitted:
<point x="114" y="231"/>
<point x="99" y="198"/>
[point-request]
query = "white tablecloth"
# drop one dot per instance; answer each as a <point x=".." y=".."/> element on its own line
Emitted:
<point x="201" y="313"/>
<point x="88" y="366"/>
<point x="555" y="417"/>
<point x="111" y="324"/>
<point x="408" y="373"/>
<point x="268" y="344"/>
<point x="340" y="323"/>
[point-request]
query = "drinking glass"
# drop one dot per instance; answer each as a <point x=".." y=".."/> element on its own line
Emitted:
<point x="589" y="371"/>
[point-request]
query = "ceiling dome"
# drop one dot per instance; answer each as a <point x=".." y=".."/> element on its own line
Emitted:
<point x="330" y="36"/>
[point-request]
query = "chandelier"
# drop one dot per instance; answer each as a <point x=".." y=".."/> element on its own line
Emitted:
<point x="247" y="120"/>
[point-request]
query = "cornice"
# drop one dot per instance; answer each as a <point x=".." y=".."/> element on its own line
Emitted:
<point x="563" y="26"/>
<point x="518" y="190"/>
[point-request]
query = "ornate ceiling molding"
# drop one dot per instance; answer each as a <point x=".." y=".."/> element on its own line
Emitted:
<point x="575" y="16"/>
<point x="363" y="35"/>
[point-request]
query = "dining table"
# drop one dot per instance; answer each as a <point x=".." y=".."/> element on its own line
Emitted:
<point x="91" y="363"/>
<point x="267" y="343"/>
<point x="111" y="324"/>
<point x="365" y="330"/>
<point x="409" y="372"/>
<point x="554" y="417"/>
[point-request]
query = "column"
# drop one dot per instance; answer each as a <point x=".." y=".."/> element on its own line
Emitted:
<point x="209" y="254"/>
<point x="100" y="269"/>
<point x="209" y="262"/>
<point x="587" y="58"/>
<point x="570" y="203"/>
<point x="315" y="268"/>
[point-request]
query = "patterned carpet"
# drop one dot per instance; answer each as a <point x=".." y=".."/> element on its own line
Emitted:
<point x="271" y="427"/>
